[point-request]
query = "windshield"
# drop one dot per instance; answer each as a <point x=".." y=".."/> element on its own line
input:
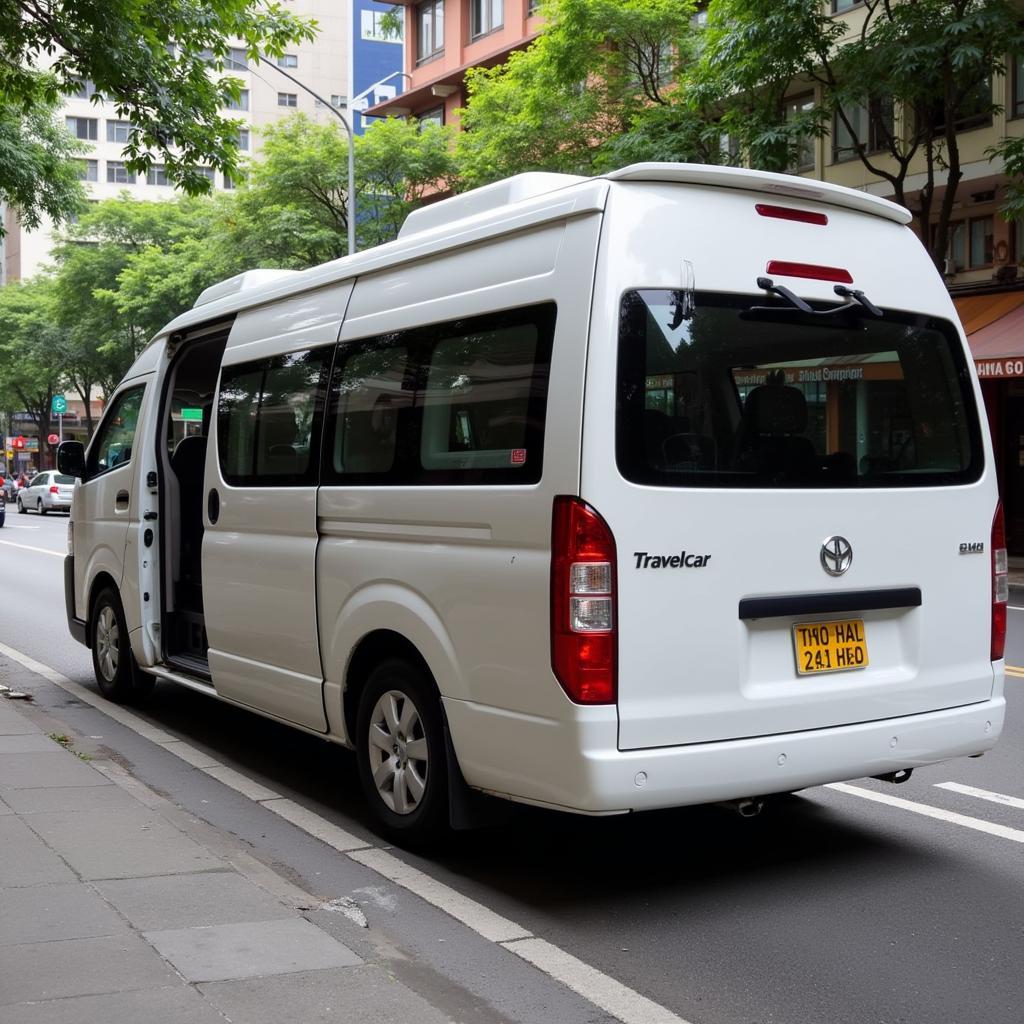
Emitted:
<point x="741" y="397"/>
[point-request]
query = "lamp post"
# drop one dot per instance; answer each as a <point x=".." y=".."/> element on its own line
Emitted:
<point x="348" y="128"/>
<point x="370" y="88"/>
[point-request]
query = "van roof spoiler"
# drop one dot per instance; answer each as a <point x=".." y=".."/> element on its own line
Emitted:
<point x="535" y="183"/>
<point x="239" y="283"/>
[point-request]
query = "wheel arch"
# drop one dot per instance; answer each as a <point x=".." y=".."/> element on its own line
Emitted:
<point x="99" y="582"/>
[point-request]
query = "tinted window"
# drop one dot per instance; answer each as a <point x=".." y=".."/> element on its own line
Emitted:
<point x="456" y="403"/>
<point x="769" y="397"/>
<point x="62" y="478"/>
<point x="268" y="419"/>
<point x="112" y="445"/>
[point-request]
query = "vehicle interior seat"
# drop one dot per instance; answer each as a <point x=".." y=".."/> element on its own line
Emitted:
<point x="770" y="437"/>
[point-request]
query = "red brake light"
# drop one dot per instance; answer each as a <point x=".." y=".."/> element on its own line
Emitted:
<point x="788" y="213"/>
<point x="583" y="605"/>
<point x="1000" y="584"/>
<point x="810" y="271"/>
<point x="54" y="489"/>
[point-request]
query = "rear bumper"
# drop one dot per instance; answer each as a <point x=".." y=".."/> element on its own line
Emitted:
<point x="577" y="766"/>
<point x="75" y="626"/>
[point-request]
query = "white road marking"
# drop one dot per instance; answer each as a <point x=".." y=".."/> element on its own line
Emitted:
<point x="19" y="526"/>
<point x="983" y="794"/>
<point x="598" y="988"/>
<point x="616" y="999"/>
<point x="29" y="547"/>
<point x="474" y="915"/>
<point x="1015" y="835"/>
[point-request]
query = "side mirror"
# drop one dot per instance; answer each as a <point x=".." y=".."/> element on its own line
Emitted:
<point x="71" y="458"/>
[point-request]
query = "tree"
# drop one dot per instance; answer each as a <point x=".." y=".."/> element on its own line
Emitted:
<point x="900" y="89"/>
<point x="29" y="374"/>
<point x="153" y="61"/>
<point x="599" y="87"/>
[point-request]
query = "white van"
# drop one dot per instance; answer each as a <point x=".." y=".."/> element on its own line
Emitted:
<point x="607" y="494"/>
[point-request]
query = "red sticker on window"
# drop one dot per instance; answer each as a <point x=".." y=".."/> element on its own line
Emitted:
<point x="518" y="456"/>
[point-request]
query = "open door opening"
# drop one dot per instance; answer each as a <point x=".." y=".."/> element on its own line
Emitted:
<point x="188" y="421"/>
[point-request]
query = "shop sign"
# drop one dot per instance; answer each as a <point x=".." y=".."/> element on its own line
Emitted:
<point x="989" y="368"/>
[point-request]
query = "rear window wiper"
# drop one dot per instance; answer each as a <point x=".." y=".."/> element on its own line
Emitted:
<point x="798" y="305"/>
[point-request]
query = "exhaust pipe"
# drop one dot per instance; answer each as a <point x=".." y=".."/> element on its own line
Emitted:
<point x="748" y="807"/>
<point x="896" y="777"/>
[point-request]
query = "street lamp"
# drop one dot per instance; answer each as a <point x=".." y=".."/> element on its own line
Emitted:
<point x="348" y="128"/>
<point x="371" y="88"/>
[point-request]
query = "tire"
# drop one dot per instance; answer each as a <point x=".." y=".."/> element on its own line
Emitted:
<point x="400" y="750"/>
<point x="21" y="508"/>
<point x="39" y="507"/>
<point x="111" y="649"/>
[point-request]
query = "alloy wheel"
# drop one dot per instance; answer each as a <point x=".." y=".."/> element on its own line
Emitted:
<point x="107" y="643"/>
<point x="397" y="751"/>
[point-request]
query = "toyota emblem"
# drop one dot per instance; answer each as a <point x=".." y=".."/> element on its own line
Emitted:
<point x="836" y="556"/>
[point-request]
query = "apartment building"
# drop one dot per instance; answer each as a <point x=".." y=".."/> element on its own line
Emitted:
<point x="443" y="39"/>
<point x="267" y="95"/>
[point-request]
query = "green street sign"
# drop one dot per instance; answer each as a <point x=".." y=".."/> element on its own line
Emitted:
<point x="59" y="405"/>
<point x="192" y="415"/>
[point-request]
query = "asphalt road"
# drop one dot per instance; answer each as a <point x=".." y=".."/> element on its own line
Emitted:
<point x="828" y="908"/>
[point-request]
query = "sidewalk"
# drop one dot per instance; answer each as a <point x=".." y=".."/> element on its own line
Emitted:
<point x="109" y="911"/>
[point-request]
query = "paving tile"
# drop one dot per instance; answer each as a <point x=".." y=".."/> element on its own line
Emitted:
<point x="173" y="1005"/>
<point x="104" y="795"/>
<point x="25" y="859"/>
<point x="44" y="913"/>
<point x="78" y="967"/>
<point x="190" y="901"/>
<point x="13" y="724"/>
<point x="26" y="743"/>
<point x="124" y="843"/>
<point x="252" y="950"/>
<point x="55" y="767"/>
<point x="364" y="993"/>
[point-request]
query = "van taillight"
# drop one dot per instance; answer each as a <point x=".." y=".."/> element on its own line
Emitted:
<point x="583" y="607"/>
<point x="1000" y="584"/>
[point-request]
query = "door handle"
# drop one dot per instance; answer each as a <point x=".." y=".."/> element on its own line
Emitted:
<point x="213" y="506"/>
<point x="121" y="501"/>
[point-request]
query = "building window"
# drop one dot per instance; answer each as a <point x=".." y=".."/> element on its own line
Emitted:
<point x="839" y="6"/>
<point x="157" y="175"/>
<point x="429" y="29"/>
<point x="238" y="59"/>
<point x="118" y="174"/>
<point x="242" y="103"/>
<point x="287" y="99"/>
<point x="82" y="127"/>
<point x="804" y="157"/>
<point x="288" y="60"/>
<point x="435" y="116"/>
<point x="975" y="110"/>
<point x="85" y="88"/>
<point x="370" y="28"/>
<point x="534" y="6"/>
<point x="338" y="101"/>
<point x="229" y="182"/>
<point x="970" y="244"/>
<point x="88" y="170"/>
<point x="486" y="16"/>
<point x="872" y="128"/>
<point x="207" y="173"/>
<point x="118" y="131"/>
<point x="243" y="139"/>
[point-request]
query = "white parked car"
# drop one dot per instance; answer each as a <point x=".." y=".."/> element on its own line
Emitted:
<point x="48" y="491"/>
<point x="606" y="494"/>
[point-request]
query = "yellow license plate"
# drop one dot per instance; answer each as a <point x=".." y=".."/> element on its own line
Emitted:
<point x="830" y="646"/>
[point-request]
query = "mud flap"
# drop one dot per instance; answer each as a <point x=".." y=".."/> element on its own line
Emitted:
<point x="467" y="808"/>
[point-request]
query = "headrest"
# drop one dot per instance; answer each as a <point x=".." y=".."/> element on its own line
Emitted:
<point x="775" y="409"/>
<point x="277" y="426"/>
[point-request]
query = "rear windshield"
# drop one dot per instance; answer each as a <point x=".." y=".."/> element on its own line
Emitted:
<point x="60" y="478"/>
<point x="737" y="396"/>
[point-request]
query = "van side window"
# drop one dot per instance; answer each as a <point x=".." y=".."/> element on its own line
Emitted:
<point x="269" y="418"/>
<point x="455" y="403"/>
<point x="112" y="445"/>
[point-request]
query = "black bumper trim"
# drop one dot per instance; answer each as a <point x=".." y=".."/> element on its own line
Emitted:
<point x="827" y="604"/>
<point x="76" y="626"/>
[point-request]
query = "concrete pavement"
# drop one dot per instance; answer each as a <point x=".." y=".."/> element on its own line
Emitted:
<point x="110" y="910"/>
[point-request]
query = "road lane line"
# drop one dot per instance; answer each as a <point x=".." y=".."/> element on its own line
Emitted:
<point x="29" y="547"/>
<point x="593" y="985"/>
<point x="1015" y="835"/>
<point x="616" y="999"/>
<point x="983" y="794"/>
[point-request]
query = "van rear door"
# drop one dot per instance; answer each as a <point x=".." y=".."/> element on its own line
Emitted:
<point x="792" y="494"/>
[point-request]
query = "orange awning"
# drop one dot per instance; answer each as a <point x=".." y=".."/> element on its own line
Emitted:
<point x="994" y="325"/>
